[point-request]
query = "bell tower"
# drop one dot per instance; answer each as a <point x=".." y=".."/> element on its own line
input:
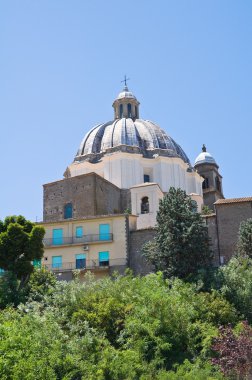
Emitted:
<point x="207" y="167"/>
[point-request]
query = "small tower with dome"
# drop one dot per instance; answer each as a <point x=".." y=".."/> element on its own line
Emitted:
<point x="207" y="167"/>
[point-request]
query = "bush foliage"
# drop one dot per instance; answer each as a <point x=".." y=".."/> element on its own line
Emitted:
<point x="126" y="327"/>
<point x="123" y="327"/>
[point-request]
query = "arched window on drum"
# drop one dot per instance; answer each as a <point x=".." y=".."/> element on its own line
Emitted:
<point x="129" y="109"/>
<point x="145" y="207"/>
<point x="121" y="110"/>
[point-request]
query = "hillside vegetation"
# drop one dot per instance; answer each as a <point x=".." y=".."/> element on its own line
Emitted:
<point x="186" y="321"/>
<point x="125" y="327"/>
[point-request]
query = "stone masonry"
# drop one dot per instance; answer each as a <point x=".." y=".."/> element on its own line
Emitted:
<point x="89" y="194"/>
<point x="229" y="215"/>
<point x="136" y="261"/>
<point x="210" y="221"/>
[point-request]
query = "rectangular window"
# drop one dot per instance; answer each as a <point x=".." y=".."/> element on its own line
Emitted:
<point x="79" y="232"/>
<point x="80" y="261"/>
<point x="104" y="232"/>
<point x="68" y="211"/>
<point x="56" y="262"/>
<point x="103" y="259"/>
<point x="146" y="178"/>
<point x="37" y="263"/>
<point x="57" y="236"/>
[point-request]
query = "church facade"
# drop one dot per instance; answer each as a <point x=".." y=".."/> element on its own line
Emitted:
<point x="97" y="217"/>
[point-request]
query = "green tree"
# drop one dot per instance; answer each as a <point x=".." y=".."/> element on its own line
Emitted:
<point x="235" y="282"/>
<point x="181" y="247"/>
<point x="41" y="284"/>
<point x="120" y="328"/>
<point x="20" y="244"/>
<point x="244" y="245"/>
<point x="206" y="210"/>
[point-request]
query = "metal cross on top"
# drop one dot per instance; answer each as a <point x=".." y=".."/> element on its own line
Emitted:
<point x="125" y="80"/>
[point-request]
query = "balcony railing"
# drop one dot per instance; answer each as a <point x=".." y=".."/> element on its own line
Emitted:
<point x="86" y="239"/>
<point x="85" y="265"/>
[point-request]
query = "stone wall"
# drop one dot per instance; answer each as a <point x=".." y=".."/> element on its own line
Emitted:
<point x="125" y="200"/>
<point x="136" y="261"/>
<point x="210" y="221"/>
<point x="137" y="238"/>
<point x="89" y="194"/>
<point x="210" y="196"/>
<point x="107" y="197"/>
<point x="229" y="216"/>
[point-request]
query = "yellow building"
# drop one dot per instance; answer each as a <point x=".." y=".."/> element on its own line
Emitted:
<point x="98" y="244"/>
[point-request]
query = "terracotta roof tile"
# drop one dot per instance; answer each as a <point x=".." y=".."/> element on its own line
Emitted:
<point x="233" y="200"/>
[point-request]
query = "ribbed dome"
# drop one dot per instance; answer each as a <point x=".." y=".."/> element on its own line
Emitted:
<point x="128" y="133"/>
<point x="134" y="136"/>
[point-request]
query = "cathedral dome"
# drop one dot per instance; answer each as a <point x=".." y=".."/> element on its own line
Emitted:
<point x="125" y="134"/>
<point x="128" y="133"/>
<point x="204" y="158"/>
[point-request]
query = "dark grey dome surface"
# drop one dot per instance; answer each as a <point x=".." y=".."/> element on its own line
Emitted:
<point x="147" y="137"/>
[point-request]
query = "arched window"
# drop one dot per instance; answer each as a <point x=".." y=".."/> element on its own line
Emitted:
<point x="205" y="183"/>
<point x="217" y="183"/>
<point x="68" y="211"/>
<point x="129" y="109"/>
<point x="136" y="113"/>
<point x="145" y="208"/>
<point x="121" y="110"/>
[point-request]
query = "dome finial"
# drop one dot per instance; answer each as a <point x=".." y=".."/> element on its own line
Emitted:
<point x="203" y="148"/>
<point x="125" y="82"/>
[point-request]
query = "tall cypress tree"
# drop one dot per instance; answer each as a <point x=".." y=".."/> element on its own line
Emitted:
<point x="181" y="247"/>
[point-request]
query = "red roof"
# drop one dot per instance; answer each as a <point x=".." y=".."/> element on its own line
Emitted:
<point x="233" y="200"/>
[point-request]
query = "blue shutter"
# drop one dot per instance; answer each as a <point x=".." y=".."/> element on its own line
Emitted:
<point x="37" y="263"/>
<point x="104" y="230"/>
<point x="57" y="236"/>
<point x="104" y="257"/>
<point x="80" y="261"/>
<point x="79" y="232"/>
<point x="57" y="262"/>
<point x="68" y="211"/>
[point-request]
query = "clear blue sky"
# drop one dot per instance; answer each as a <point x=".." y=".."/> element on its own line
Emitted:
<point x="61" y="63"/>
